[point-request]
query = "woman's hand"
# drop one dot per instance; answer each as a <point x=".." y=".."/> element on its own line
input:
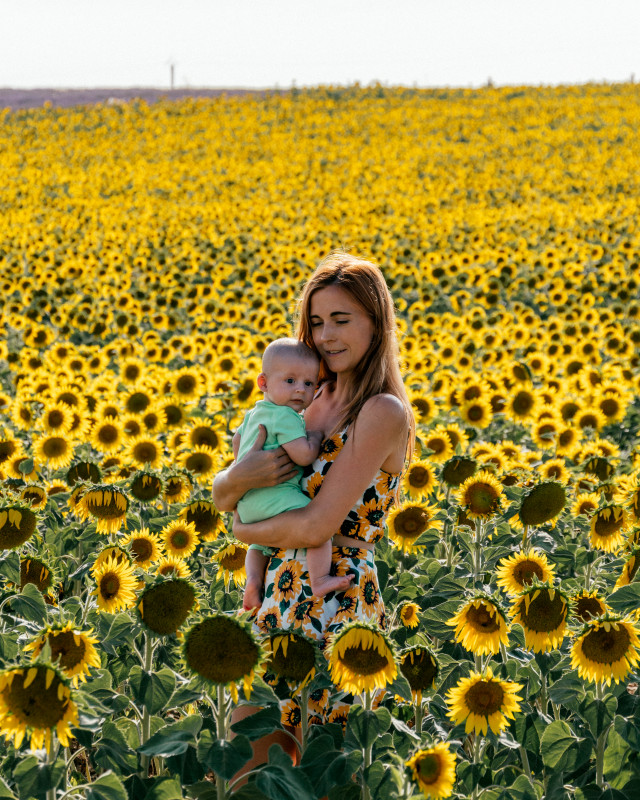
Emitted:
<point x="257" y="468"/>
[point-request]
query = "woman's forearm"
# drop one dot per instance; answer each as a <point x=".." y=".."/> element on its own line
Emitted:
<point x="288" y="530"/>
<point x="227" y="489"/>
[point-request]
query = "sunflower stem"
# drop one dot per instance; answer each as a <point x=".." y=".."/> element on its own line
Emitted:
<point x="304" y="719"/>
<point x="525" y="537"/>
<point x="366" y="795"/>
<point x="221" y="731"/>
<point x="477" y="745"/>
<point x="543" y="695"/>
<point x="419" y="713"/>
<point x="525" y="764"/>
<point x="52" y="754"/>
<point x="587" y="577"/>
<point x="146" y="716"/>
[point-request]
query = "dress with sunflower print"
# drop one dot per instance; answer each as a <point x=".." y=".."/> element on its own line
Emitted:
<point x="288" y="599"/>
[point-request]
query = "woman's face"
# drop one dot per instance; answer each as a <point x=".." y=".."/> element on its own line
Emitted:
<point x="341" y="328"/>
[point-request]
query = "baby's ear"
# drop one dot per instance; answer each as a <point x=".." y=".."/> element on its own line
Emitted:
<point x="261" y="380"/>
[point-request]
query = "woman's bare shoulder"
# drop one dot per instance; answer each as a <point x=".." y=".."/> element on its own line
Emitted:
<point x="386" y="410"/>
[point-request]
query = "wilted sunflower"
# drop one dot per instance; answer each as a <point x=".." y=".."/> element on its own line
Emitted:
<point x="179" y="538"/>
<point x="629" y="569"/>
<point x="164" y="607"/>
<point x="223" y="650"/>
<point x="56" y="450"/>
<point x="107" y="505"/>
<point x="37" y="572"/>
<point x="115" y="585"/>
<point x="177" y="488"/>
<point x="606" y="649"/>
<point x="17" y="525"/>
<point x="73" y="649"/>
<point x="206" y="517"/>
<point x="36" y="700"/>
<point x="145" y="486"/>
<point x="608" y="526"/>
<point x="481" y="626"/>
<point x="409" y="521"/>
<point x="419" y="480"/>
<point x="145" y="451"/>
<point x="542" y="611"/>
<point x="434" y="770"/>
<point x="420" y="667"/>
<point x="83" y="471"/>
<point x="588" y="605"/>
<point x="292" y="656"/>
<point x="542" y="503"/>
<point x="145" y="547"/>
<point x="515" y="573"/>
<point x="409" y="614"/>
<point x="457" y="470"/>
<point x="480" y="495"/>
<point x="231" y="560"/>
<point x="361" y="658"/>
<point x="482" y="701"/>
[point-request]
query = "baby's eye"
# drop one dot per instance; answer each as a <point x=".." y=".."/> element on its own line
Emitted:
<point x="308" y="383"/>
<point x="289" y="380"/>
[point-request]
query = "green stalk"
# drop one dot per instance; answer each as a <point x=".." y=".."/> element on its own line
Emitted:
<point x="146" y="716"/>
<point x="525" y="764"/>
<point x="304" y="720"/>
<point x="477" y="552"/>
<point x="221" y="730"/>
<point x="477" y="744"/>
<point x="419" y="713"/>
<point x="52" y="752"/>
<point x="543" y="695"/>
<point x="601" y="742"/>
<point x="525" y="536"/>
<point x="366" y="794"/>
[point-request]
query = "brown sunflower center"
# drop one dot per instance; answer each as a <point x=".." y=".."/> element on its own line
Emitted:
<point x="34" y="571"/>
<point x="420" y="670"/>
<point x="145" y="452"/>
<point x="298" y="661"/>
<point x="483" y="618"/>
<point x="56" y="418"/>
<point x="482" y="498"/>
<point x="204" y="516"/>
<point x="429" y="768"/>
<point x="173" y="487"/>
<point x="588" y="607"/>
<point x="142" y="549"/>
<point x="179" y="539"/>
<point x="523" y="402"/>
<point x="485" y="698"/>
<point x="235" y="560"/>
<point x="411" y="522"/>
<point x="64" y="646"/>
<point x="220" y="650"/>
<point x="544" y="615"/>
<point x="55" y="446"/>
<point x="36" y="705"/>
<point x="204" y="435"/>
<point x="524" y="571"/>
<point x="606" y="647"/>
<point x="109" y="585"/>
<point x="107" y="434"/>
<point x="438" y="444"/>
<point x="419" y="477"/>
<point x="363" y="661"/>
<point x="7" y="449"/>
<point x="609" y="524"/>
<point x="106" y="505"/>
<point x="186" y="384"/>
<point x="199" y="462"/>
<point x="137" y="402"/>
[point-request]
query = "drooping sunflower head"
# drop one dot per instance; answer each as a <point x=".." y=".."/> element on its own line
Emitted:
<point x="480" y="495"/>
<point x="542" y="503"/>
<point x="108" y="505"/>
<point x="36" y="701"/>
<point x="517" y="572"/>
<point x="74" y="650"/>
<point x="36" y="571"/>
<point x="292" y="656"/>
<point x="542" y="612"/>
<point x="409" y="521"/>
<point x="587" y="605"/>
<point x="481" y="625"/>
<point x="83" y="471"/>
<point x="17" y="525"/>
<point x="165" y="605"/>
<point x="409" y="615"/>
<point x="434" y="771"/>
<point x="482" y="702"/>
<point x="207" y="519"/>
<point x="145" y="486"/>
<point x="177" y="488"/>
<point x="420" y="667"/>
<point x="457" y="470"/>
<point x="231" y="558"/>
<point x="361" y="658"/>
<point x="630" y="568"/>
<point x="222" y="650"/>
<point x="606" y="649"/>
<point x="609" y="524"/>
<point x="179" y="538"/>
<point x="35" y="496"/>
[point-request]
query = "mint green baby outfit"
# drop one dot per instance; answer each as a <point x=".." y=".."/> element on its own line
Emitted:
<point x="283" y="425"/>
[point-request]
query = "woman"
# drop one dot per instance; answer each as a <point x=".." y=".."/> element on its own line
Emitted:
<point x="346" y="315"/>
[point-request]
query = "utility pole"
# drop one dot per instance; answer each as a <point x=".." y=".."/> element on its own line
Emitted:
<point x="173" y="73"/>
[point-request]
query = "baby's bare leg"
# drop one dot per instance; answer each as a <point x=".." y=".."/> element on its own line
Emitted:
<point x="255" y="565"/>
<point x="319" y="566"/>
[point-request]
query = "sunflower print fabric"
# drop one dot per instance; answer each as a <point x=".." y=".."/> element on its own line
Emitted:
<point x="288" y="600"/>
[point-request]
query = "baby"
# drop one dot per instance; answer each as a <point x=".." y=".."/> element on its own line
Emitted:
<point x="288" y="380"/>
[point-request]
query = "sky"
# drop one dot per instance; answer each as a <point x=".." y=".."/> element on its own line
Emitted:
<point x="280" y="43"/>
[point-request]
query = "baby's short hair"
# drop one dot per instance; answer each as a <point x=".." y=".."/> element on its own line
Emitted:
<point x="287" y="348"/>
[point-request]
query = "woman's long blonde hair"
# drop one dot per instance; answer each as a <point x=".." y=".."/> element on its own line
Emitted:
<point x="379" y="370"/>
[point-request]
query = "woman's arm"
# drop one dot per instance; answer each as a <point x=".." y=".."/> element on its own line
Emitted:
<point x="256" y="468"/>
<point x="380" y="429"/>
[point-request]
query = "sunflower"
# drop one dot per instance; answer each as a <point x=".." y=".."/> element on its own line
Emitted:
<point x="409" y="615"/>
<point x="177" y="488"/>
<point x="522" y="404"/>
<point x="419" y="480"/>
<point x="108" y="505"/>
<point x="434" y="770"/>
<point x="206" y="517"/>
<point x="203" y="434"/>
<point x="456" y="470"/>
<point x="37" y="572"/>
<point x="515" y="573"/>
<point x="409" y="521"/>
<point x="56" y="450"/>
<point x="420" y="667"/>
<point x="56" y="419"/>
<point x="588" y="605"/>
<point x="145" y="547"/>
<point x="165" y="605"/>
<point x="542" y="503"/>
<point x="608" y="526"/>
<point x="542" y="613"/>
<point x="145" y="451"/>
<point x="439" y="443"/>
<point x="584" y="504"/>
<point x="555" y="469"/>
<point x="480" y="626"/>
<point x="107" y="436"/>
<point x="17" y="525"/>
<point x="179" y="538"/>
<point x="200" y="461"/>
<point x="36" y="700"/>
<point x="83" y="471"/>
<point x="73" y="649"/>
<point x="480" y="495"/>
<point x="482" y="701"/>
<point x="361" y="658"/>
<point x="188" y="383"/>
<point x="115" y="584"/>
<point x="145" y="486"/>
<point x="292" y="656"/>
<point x="478" y="412"/>
<point x="629" y="569"/>
<point x="606" y="649"/>
<point x="172" y="567"/>
<point x="231" y="560"/>
<point x="223" y="650"/>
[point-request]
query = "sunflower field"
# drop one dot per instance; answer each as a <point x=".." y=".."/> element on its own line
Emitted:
<point x="148" y="254"/>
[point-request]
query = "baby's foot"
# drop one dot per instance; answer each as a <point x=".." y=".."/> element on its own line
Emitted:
<point x="252" y="595"/>
<point x="331" y="583"/>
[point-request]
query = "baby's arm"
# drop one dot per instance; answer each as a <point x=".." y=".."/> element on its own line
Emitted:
<point x="305" y="449"/>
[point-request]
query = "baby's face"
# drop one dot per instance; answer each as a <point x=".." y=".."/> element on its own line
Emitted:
<point x="291" y="382"/>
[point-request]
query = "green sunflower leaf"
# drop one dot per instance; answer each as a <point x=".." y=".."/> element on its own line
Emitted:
<point x="153" y="690"/>
<point x="107" y="787"/>
<point x="174" y="739"/>
<point x="30" y="605"/>
<point x="625" y="599"/>
<point x="225" y="758"/>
